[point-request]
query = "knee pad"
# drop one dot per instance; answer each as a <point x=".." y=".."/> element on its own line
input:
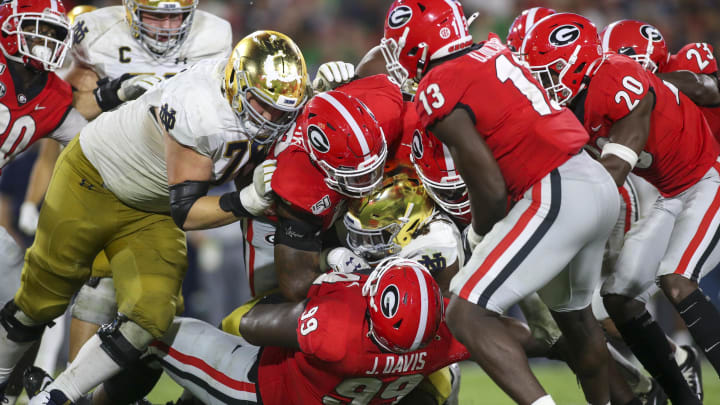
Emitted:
<point x="132" y="383"/>
<point x="124" y="340"/>
<point x="20" y="330"/>
<point x="95" y="302"/>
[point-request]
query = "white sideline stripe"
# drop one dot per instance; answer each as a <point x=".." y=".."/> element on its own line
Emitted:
<point x="350" y="120"/>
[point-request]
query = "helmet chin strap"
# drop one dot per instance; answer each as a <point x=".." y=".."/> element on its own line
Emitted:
<point x="423" y="59"/>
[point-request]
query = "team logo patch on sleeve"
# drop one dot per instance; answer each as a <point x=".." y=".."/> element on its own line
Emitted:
<point x="399" y="17"/>
<point x="167" y="117"/>
<point x="390" y="301"/>
<point x="321" y="205"/>
<point x="564" y="35"/>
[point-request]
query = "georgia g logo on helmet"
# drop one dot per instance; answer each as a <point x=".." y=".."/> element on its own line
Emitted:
<point x="417" y="146"/>
<point x="318" y="140"/>
<point x="399" y="17"/>
<point x="564" y="35"/>
<point x="650" y="33"/>
<point x="390" y="301"/>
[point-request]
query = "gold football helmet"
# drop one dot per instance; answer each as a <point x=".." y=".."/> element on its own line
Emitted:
<point x="159" y="41"/>
<point x="384" y="222"/>
<point x="77" y="10"/>
<point x="266" y="67"/>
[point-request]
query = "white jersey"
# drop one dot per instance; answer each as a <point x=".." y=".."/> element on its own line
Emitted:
<point x="127" y="147"/>
<point x="440" y="246"/>
<point x="103" y="42"/>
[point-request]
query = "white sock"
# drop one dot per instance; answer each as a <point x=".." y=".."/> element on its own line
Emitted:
<point x="546" y="400"/>
<point x="50" y="346"/>
<point x="91" y="367"/>
<point x="680" y="355"/>
<point x="11" y="351"/>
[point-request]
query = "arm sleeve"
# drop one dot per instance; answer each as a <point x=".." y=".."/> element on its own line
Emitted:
<point x="70" y="127"/>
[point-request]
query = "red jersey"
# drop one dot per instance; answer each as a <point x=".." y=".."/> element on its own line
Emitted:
<point x="337" y="362"/>
<point x="680" y="147"/>
<point x="27" y="115"/>
<point x="698" y="58"/>
<point x="300" y="184"/>
<point x="528" y="136"/>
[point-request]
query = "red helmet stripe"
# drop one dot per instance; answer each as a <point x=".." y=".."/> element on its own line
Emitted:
<point x="349" y="119"/>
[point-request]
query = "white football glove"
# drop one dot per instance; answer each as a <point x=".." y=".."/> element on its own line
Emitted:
<point x="470" y="239"/>
<point x="257" y="197"/>
<point x="333" y="74"/>
<point x="344" y="260"/>
<point x="262" y="177"/>
<point x="28" y="220"/>
<point x="136" y="86"/>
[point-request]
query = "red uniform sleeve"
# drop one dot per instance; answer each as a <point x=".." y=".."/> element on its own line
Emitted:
<point x="437" y="95"/>
<point x="696" y="57"/>
<point x="323" y="328"/>
<point x="620" y="86"/>
<point x="385" y="101"/>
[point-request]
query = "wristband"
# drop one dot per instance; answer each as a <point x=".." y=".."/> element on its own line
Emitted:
<point x="230" y="202"/>
<point x="621" y="151"/>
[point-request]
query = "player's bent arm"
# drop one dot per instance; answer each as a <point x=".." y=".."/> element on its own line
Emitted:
<point x="83" y="81"/>
<point x="189" y="175"/>
<point x="631" y="132"/>
<point x="477" y="166"/>
<point x="298" y="249"/>
<point x="272" y="324"/>
<point x="702" y="89"/>
<point x="42" y="170"/>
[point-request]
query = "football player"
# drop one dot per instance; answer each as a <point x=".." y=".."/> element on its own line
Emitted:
<point x="36" y="37"/>
<point x="353" y="338"/>
<point x="646" y="45"/>
<point x="522" y="23"/>
<point x="131" y="183"/>
<point x="639" y="122"/>
<point x="119" y="52"/>
<point x="523" y="146"/>
<point x="338" y="147"/>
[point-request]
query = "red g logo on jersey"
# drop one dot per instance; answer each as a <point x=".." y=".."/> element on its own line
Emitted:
<point x="318" y="140"/>
<point x="564" y="35"/>
<point x="390" y="301"/>
<point x="399" y="17"/>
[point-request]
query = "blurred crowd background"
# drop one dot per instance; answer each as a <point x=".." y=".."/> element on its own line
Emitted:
<point x="344" y="30"/>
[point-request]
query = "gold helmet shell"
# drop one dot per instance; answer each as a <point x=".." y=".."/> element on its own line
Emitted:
<point x="387" y="220"/>
<point x="159" y="42"/>
<point x="77" y="10"/>
<point x="268" y="67"/>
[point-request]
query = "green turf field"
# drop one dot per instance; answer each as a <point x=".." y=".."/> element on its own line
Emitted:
<point x="478" y="389"/>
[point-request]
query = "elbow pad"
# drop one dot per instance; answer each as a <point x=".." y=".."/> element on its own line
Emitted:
<point x="298" y="235"/>
<point x="182" y="198"/>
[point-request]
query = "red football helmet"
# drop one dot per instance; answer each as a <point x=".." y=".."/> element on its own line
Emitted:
<point x="436" y="170"/>
<point x="522" y="24"/>
<point x="346" y="142"/>
<point x="25" y="37"/>
<point x="418" y="31"/>
<point x="638" y="40"/>
<point x="405" y="305"/>
<point x="561" y="49"/>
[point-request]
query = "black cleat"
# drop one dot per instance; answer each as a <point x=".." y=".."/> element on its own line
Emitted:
<point x="35" y="380"/>
<point x="656" y="395"/>
<point x="692" y="371"/>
